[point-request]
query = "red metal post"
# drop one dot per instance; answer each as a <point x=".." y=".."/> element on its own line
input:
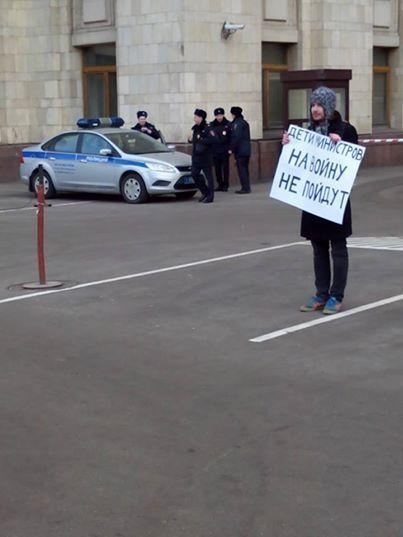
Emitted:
<point x="40" y="232"/>
<point x="40" y="192"/>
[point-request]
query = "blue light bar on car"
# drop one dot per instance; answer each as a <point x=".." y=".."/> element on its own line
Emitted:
<point x="93" y="123"/>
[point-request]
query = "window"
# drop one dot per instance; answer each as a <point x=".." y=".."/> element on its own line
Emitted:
<point x="136" y="143"/>
<point x="99" y="79"/>
<point x="299" y="104"/>
<point x="66" y="143"/>
<point x="381" y="87"/>
<point x="92" y="144"/>
<point x="274" y="60"/>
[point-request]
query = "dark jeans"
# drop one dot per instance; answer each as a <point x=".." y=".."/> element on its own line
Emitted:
<point x="242" y="164"/>
<point x="321" y="263"/>
<point x="221" y="165"/>
<point x="207" y="189"/>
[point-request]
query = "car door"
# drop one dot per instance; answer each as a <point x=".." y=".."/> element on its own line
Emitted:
<point x="96" y="171"/>
<point x="60" y="155"/>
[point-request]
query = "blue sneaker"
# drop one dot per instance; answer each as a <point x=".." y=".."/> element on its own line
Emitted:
<point x="332" y="306"/>
<point x="315" y="303"/>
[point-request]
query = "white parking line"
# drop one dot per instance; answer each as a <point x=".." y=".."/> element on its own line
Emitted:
<point x="149" y="272"/>
<point x="32" y="207"/>
<point x="335" y="317"/>
<point x="394" y="244"/>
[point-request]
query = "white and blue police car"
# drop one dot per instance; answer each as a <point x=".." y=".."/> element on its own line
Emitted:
<point x="102" y="157"/>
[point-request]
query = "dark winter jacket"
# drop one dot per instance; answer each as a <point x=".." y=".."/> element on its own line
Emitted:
<point x="240" y="137"/>
<point x="203" y="140"/>
<point x="154" y="132"/>
<point x="319" y="229"/>
<point x="223" y="132"/>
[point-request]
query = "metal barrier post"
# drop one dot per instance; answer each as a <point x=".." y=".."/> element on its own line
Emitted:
<point x="40" y="190"/>
<point x="40" y="228"/>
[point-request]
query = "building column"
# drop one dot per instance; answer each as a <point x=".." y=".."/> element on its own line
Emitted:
<point x="396" y="63"/>
<point x="41" y="91"/>
<point x="171" y="59"/>
<point x="339" y="35"/>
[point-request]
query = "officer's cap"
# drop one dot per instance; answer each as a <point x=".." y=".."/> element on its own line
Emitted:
<point x="201" y="113"/>
<point x="236" y="110"/>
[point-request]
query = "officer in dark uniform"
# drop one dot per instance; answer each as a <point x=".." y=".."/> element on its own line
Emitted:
<point x="221" y="126"/>
<point x="145" y="127"/>
<point x="241" y="148"/>
<point x="203" y="138"/>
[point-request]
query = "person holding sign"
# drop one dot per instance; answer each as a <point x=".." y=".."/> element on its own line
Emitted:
<point x="326" y="234"/>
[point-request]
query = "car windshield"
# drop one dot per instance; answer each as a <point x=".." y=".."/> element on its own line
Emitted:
<point x="136" y="143"/>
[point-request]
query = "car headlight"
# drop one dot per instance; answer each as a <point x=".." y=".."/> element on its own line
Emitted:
<point x="159" y="167"/>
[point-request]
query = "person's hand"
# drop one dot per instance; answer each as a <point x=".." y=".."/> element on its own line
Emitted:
<point x="229" y="152"/>
<point x="334" y="137"/>
<point x="286" y="139"/>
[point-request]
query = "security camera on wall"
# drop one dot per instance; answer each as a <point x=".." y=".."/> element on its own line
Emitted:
<point x="230" y="28"/>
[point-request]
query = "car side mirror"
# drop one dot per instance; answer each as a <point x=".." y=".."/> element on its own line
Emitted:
<point x="105" y="152"/>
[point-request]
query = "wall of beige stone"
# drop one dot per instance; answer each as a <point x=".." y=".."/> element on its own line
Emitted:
<point x="171" y="57"/>
<point x="338" y="35"/>
<point x="149" y="57"/>
<point x="2" y="81"/>
<point x="177" y="61"/>
<point x="41" y="90"/>
<point x="396" y="63"/>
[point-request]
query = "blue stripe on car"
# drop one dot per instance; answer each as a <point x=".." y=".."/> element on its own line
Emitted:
<point x="73" y="156"/>
<point x="117" y="160"/>
<point x="61" y="156"/>
<point x="33" y="154"/>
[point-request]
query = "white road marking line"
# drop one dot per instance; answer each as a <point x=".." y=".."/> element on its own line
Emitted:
<point x="70" y="203"/>
<point x="387" y="248"/>
<point x="390" y="244"/>
<point x="330" y="318"/>
<point x="376" y="243"/>
<point x="2" y="211"/>
<point x="149" y="272"/>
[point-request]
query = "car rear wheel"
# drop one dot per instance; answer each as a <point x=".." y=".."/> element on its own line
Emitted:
<point x="48" y="185"/>
<point x="133" y="189"/>
<point x="185" y="195"/>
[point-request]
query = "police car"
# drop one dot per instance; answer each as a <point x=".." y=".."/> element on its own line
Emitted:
<point x="104" y="158"/>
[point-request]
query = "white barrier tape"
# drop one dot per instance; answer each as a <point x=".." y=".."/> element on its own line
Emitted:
<point x="380" y="141"/>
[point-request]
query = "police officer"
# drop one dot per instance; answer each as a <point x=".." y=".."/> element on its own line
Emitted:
<point x="241" y="148"/>
<point x="203" y="138"/>
<point x="221" y="126"/>
<point x="143" y="126"/>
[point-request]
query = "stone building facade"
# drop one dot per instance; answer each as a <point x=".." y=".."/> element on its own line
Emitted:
<point x="169" y="56"/>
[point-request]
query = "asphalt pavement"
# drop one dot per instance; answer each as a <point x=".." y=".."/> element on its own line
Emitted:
<point x="134" y="403"/>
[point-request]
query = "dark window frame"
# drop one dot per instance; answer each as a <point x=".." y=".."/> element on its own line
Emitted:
<point x="50" y="144"/>
<point x="105" y="71"/>
<point x="378" y="69"/>
<point x="104" y="140"/>
<point x="268" y="68"/>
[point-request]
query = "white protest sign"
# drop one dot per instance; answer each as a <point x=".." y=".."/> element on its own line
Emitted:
<point x="315" y="174"/>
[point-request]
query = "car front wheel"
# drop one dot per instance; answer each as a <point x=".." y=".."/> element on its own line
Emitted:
<point x="48" y="185"/>
<point x="133" y="189"/>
